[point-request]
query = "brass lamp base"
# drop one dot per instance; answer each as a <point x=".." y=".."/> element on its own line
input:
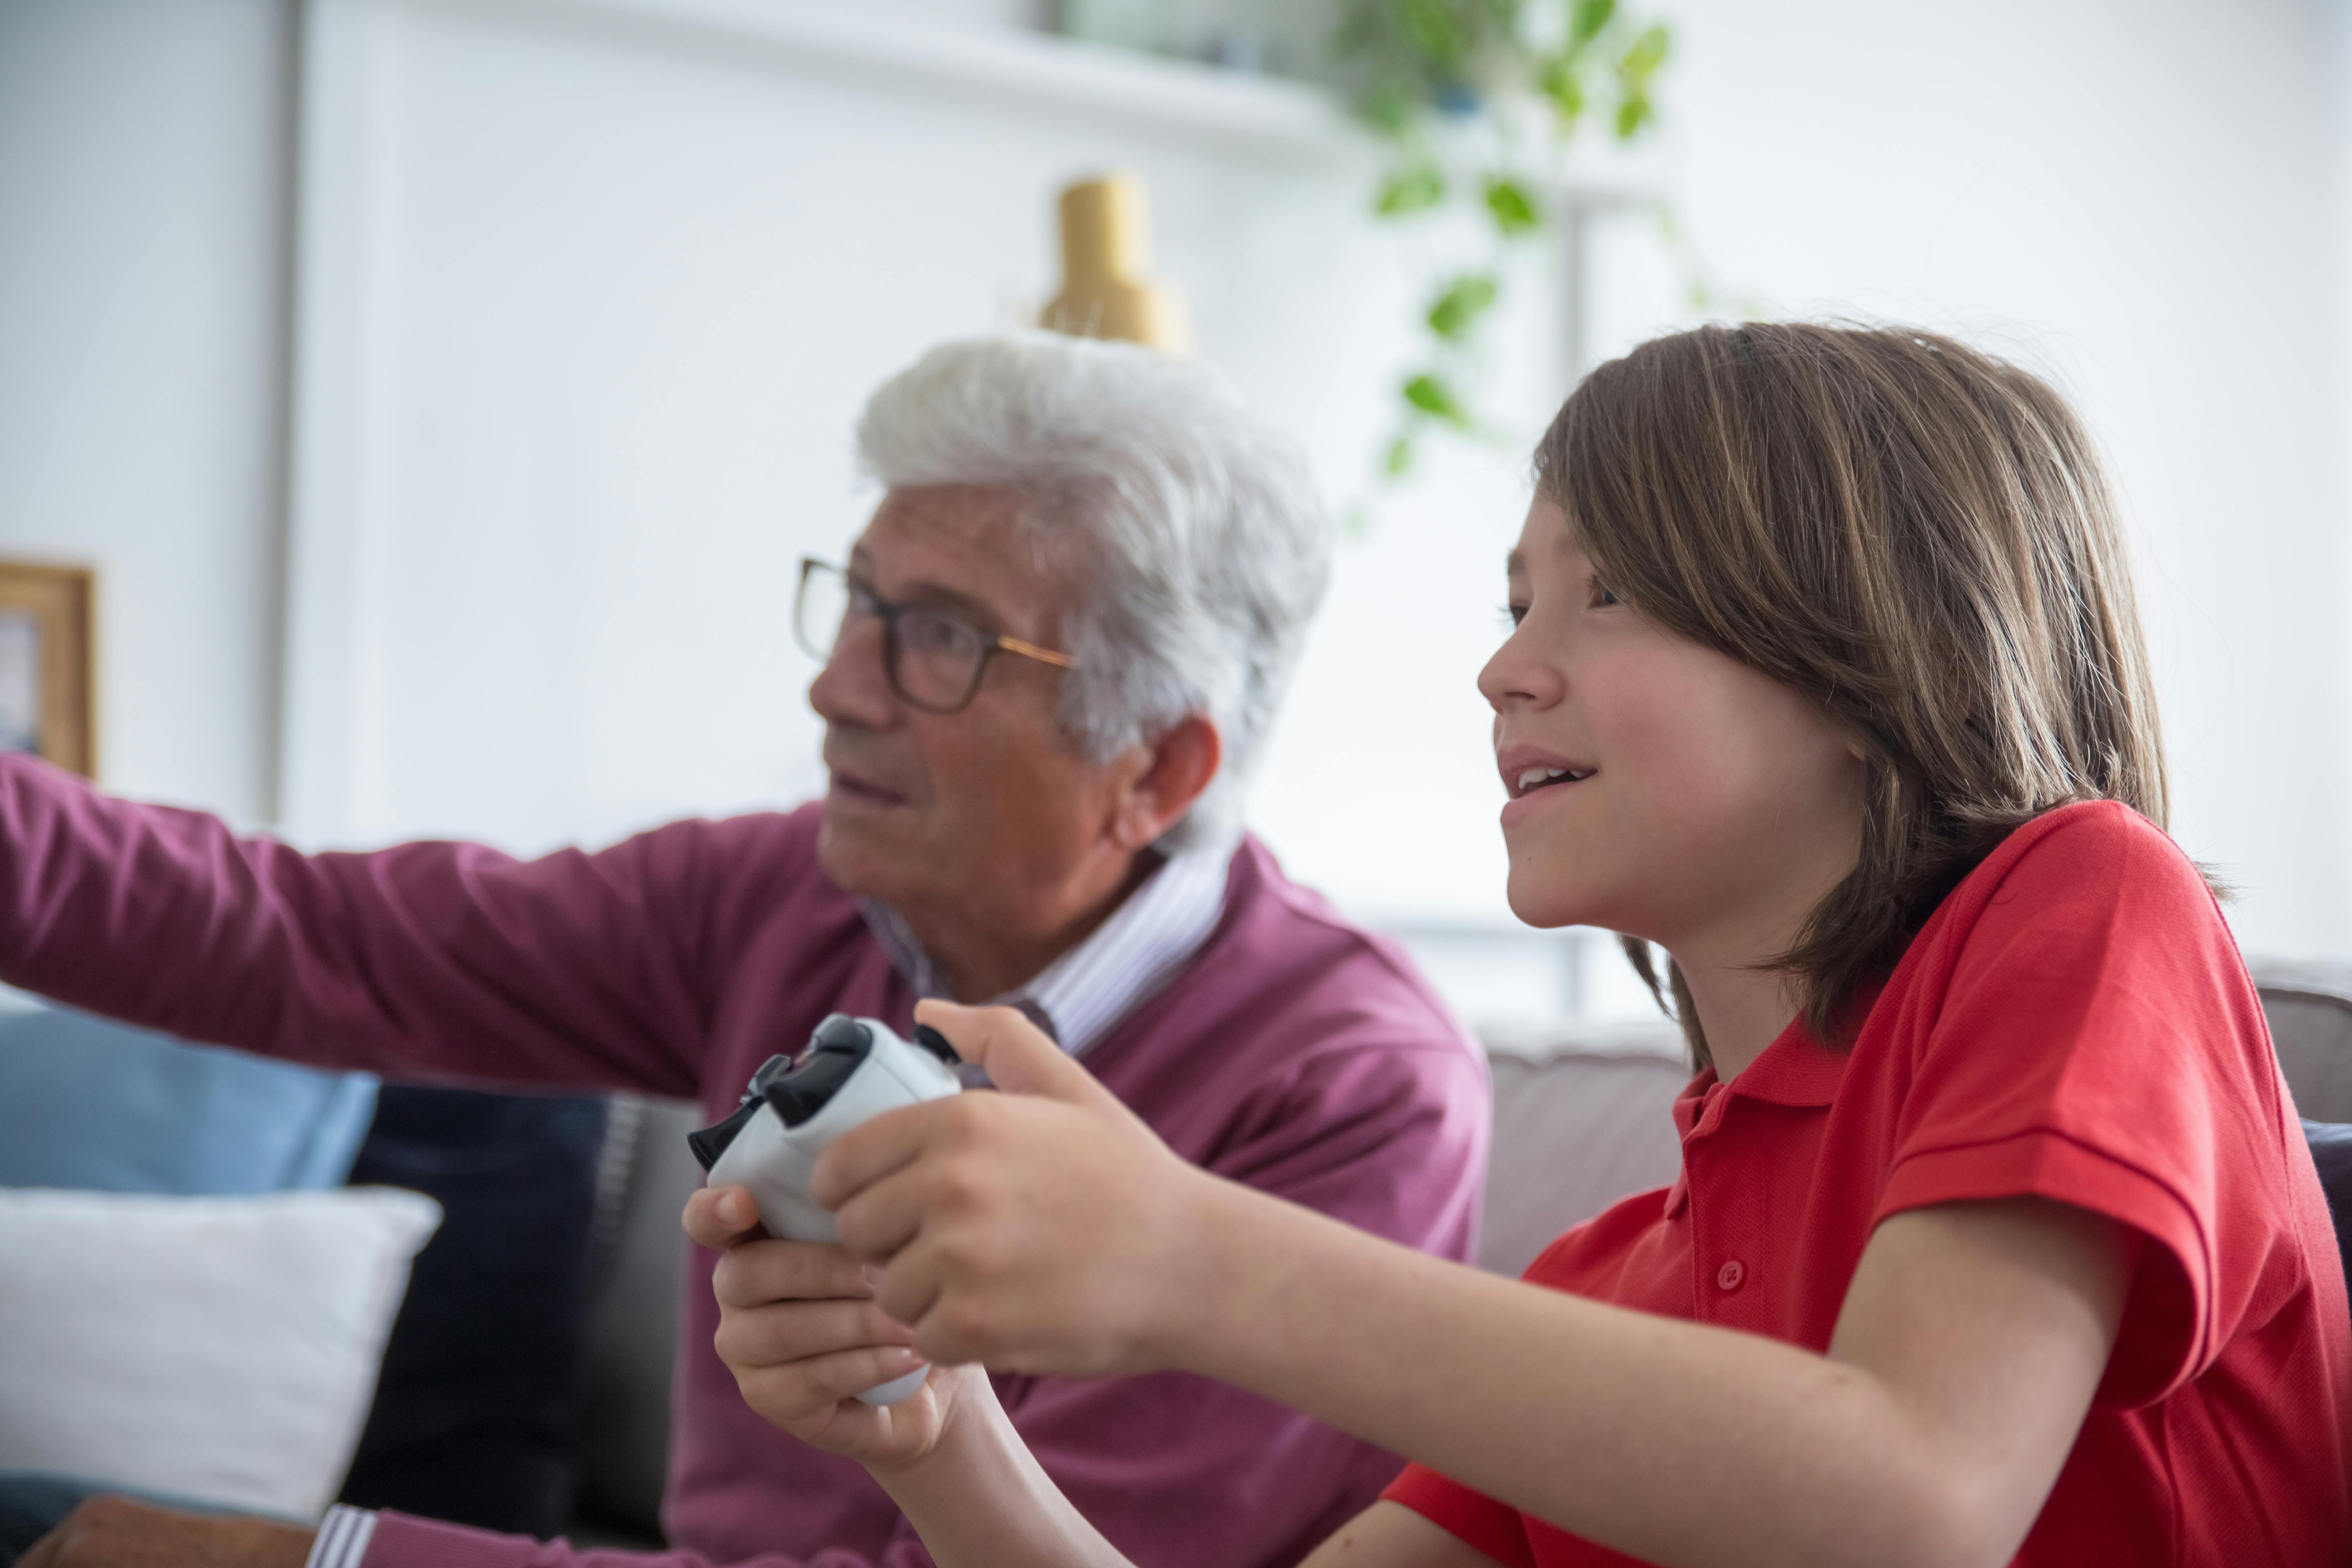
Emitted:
<point x="1106" y="271"/>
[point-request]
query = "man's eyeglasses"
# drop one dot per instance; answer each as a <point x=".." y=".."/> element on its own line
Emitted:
<point x="934" y="658"/>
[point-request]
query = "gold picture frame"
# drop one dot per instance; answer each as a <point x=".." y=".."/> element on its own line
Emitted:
<point x="48" y="679"/>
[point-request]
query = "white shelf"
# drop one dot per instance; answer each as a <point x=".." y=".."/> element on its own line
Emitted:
<point x="1259" y="115"/>
<point x="1018" y="71"/>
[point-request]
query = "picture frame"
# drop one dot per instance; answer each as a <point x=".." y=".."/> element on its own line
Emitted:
<point x="47" y="656"/>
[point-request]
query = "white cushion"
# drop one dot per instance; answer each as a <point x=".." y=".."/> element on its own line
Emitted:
<point x="223" y="1348"/>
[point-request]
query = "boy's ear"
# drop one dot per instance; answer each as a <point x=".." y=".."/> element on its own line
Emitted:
<point x="1177" y="769"/>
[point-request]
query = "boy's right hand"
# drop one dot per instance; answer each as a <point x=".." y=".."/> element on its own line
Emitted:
<point x="800" y="1329"/>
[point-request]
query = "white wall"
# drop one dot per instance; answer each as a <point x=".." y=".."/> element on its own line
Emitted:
<point x="604" y="298"/>
<point x="2146" y="199"/>
<point x="143" y="156"/>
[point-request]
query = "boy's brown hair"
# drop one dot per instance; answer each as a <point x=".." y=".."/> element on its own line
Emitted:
<point x="1916" y="535"/>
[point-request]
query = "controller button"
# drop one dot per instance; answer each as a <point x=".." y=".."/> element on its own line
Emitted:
<point x="931" y="1040"/>
<point x="1731" y="1275"/>
<point x="840" y="1032"/>
<point x="770" y="1071"/>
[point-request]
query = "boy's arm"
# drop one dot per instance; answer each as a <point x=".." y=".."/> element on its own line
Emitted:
<point x="1970" y="1345"/>
<point x="1389" y="1535"/>
<point x="1971" y="1342"/>
<point x="979" y="1499"/>
<point x="439" y="960"/>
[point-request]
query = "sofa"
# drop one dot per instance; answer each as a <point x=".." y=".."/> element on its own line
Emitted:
<point x="1581" y="1119"/>
<point x="525" y="1379"/>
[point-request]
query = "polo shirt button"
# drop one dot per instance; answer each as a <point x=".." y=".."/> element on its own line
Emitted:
<point x="1730" y="1275"/>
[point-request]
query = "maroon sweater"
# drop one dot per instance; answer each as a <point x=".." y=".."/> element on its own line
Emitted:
<point x="1296" y="1053"/>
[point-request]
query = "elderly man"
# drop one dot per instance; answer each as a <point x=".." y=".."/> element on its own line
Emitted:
<point x="1051" y="660"/>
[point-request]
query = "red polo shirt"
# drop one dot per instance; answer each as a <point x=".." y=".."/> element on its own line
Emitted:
<point x="2073" y="1022"/>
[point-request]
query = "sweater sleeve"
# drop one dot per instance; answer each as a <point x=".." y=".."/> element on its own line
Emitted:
<point x="404" y="1541"/>
<point x="441" y="962"/>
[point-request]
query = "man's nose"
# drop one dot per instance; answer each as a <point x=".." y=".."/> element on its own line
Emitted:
<point x="854" y="687"/>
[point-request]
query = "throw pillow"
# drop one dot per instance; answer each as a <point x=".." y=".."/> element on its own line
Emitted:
<point x="215" y="1348"/>
<point x="86" y="1102"/>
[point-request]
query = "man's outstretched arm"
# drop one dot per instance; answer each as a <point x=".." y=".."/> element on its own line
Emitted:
<point x="447" y="960"/>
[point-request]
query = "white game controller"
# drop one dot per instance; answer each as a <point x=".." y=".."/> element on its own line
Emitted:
<point x="852" y="1068"/>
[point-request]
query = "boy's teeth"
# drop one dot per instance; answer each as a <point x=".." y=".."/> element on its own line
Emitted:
<point x="1533" y="776"/>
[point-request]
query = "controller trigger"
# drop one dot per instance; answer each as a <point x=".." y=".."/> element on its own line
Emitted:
<point x="711" y="1142"/>
<point x="931" y="1040"/>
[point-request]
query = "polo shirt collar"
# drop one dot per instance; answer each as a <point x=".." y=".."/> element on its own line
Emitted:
<point x="1082" y="994"/>
<point x="1795" y="1069"/>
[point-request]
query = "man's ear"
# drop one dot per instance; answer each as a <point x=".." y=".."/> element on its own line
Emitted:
<point x="1177" y="767"/>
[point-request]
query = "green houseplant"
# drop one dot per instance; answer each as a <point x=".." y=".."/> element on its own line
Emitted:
<point x="1478" y="103"/>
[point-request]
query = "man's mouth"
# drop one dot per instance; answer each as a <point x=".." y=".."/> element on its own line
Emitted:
<point x="858" y="789"/>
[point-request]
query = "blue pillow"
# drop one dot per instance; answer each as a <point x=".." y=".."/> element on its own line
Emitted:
<point x="102" y="1106"/>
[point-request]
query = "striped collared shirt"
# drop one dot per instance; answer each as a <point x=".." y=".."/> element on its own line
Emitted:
<point x="1080" y="996"/>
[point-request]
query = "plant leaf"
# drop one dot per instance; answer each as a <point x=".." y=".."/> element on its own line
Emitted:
<point x="1430" y="28"/>
<point x="1587" y="17"/>
<point x="1429" y="392"/>
<point x="1634" y="112"/>
<point x="1513" y="207"/>
<point x="1563" y="86"/>
<point x="1397" y="461"/>
<point x="1415" y="188"/>
<point x="1388" y="108"/>
<point x="1461" y="303"/>
<point x="1646" y="54"/>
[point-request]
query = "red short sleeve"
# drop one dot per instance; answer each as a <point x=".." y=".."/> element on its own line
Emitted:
<point x="2096" y="1042"/>
<point x="1476" y="1519"/>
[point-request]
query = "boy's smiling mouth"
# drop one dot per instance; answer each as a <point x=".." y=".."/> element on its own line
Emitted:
<point x="1536" y="778"/>
<point x="1526" y="771"/>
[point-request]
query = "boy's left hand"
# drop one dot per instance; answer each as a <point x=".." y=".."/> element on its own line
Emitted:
<point x="1041" y="1229"/>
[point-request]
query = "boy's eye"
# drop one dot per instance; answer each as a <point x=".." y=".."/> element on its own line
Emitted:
<point x="1512" y="614"/>
<point x="1602" y="596"/>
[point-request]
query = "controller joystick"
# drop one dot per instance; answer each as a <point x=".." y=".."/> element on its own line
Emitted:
<point x="853" y="1068"/>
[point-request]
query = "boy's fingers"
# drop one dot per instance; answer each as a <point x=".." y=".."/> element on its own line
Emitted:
<point x="720" y="1217"/>
<point x="873" y="1150"/>
<point x="757" y="1272"/>
<point x="790" y="1332"/>
<point x="808" y="1388"/>
<point x="1019" y="1057"/>
<point x="883" y="1218"/>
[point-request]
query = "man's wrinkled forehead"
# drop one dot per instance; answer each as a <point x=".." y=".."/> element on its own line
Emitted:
<point x="963" y="547"/>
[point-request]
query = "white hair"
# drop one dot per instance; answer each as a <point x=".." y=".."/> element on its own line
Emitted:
<point x="1193" y="532"/>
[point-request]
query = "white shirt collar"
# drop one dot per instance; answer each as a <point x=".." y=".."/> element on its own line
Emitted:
<point x="1080" y="996"/>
